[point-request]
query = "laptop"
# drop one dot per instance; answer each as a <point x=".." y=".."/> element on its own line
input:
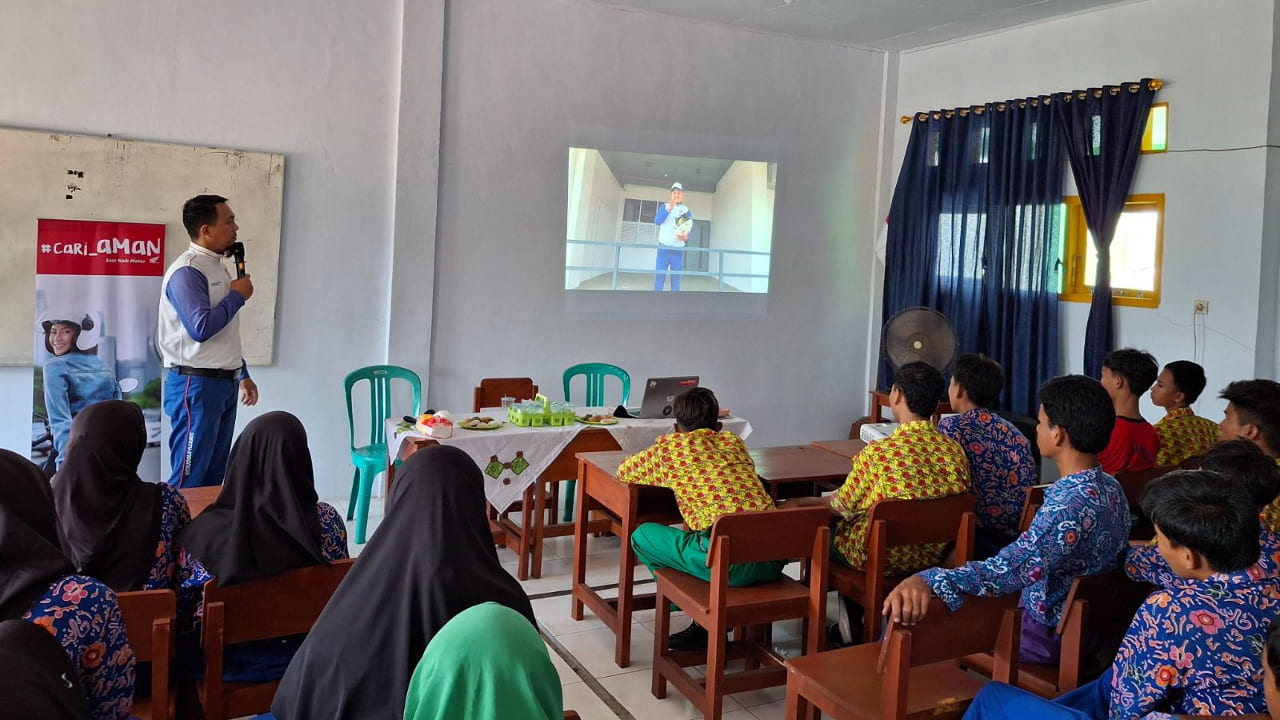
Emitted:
<point x="659" y="393"/>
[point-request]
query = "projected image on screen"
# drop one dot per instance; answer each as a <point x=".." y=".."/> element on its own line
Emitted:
<point x="661" y="223"/>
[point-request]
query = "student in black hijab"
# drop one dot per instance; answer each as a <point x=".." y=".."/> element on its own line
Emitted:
<point x="266" y="521"/>
<point x="36" y="586"/>
<point x="37" y="679"/>
<point x="432" y="558"/>
<point x="116" y="528"/>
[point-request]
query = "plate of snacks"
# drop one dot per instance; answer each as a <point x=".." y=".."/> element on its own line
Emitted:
<point x="590" y="419"/>
<point x="483" y="422"/>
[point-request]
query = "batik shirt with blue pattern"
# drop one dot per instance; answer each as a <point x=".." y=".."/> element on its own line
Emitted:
<point x="1000" y="465"/>
<point x="1081" y="529"/>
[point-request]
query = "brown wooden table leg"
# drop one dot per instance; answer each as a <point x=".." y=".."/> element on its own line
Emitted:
<point x="538" y="522"/>
<point x="579" y="547"/>
<point x="626" y="579"/>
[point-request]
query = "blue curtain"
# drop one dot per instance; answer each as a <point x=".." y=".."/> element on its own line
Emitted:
<point x="974" y="233"/>
<point x="1102" y="130"/>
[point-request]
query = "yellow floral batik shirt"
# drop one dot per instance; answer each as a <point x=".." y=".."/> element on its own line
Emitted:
<point x="1270" y="515"/>
<point x="1182" y="435"/>
<point x="711" y="474"/>
<point x="916" y="462"/>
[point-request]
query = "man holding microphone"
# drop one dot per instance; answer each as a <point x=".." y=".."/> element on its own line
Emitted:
<point x="199" y="340"/>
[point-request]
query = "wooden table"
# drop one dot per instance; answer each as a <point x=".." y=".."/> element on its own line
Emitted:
<point x="199" y="498"/>
<point x="789" y="465"/>
<point x="626" y="507"/>
<point x="848" y="448"/>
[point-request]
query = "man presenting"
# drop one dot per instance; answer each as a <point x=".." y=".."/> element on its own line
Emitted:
<point x="674" y="221"/>
<point x="199" y="339"/>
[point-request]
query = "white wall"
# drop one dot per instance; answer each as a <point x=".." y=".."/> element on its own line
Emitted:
<point x="525" y="81"/>
<point x="316" y="80"/>
<point x="1216" y="61"/>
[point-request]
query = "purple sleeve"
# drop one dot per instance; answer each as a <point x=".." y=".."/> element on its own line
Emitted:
<point x="188" y="290"/>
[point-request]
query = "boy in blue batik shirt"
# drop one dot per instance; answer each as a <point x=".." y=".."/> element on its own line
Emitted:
<point x="1000" y="462"/>
<point x="1192" y="648"/>
<point x="1081" y="529"/>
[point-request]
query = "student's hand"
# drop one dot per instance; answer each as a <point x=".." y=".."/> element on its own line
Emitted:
<point x="671" y="206"/>
<point x="244" y="286"/>
<point x="248" y="392"/>
<point x="909" y="602"/>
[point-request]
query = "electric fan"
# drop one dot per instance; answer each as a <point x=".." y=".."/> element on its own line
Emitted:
<point x="919" y="334"/>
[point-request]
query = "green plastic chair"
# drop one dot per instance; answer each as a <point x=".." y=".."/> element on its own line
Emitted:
<point x="371" y="459"/>
<point x="595" y="374"/>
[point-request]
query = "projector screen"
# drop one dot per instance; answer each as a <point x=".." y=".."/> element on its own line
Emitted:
<point x="662" y="223"/>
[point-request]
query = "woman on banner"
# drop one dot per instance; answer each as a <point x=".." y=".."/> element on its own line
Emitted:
<point x="74" y="376"/>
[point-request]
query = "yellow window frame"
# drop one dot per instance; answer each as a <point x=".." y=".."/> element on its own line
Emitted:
<point x="1155" y="137"/>
<point x="1075" y="250"/>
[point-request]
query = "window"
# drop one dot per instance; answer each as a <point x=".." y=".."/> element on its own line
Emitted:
<point x="1155" y="138"/>
<point x="637" y="221"/>
<point x="1136" y="250"/>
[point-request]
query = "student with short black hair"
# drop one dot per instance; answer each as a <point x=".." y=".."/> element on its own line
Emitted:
<point x="1182" y="433"/>
<point x="1192" y="647"/>
<point x="1126" y="374"/>
<point x="711" y="474"/>
<point x="1081" y="529"/>
<point x="1253" y="414"/>
<point x="1242" y="463"/>
<point x="1001" y="466"/>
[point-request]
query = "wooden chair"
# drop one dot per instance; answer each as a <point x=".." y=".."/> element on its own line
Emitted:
<point x="742" y="538"/>
<point x="1134" y="485"/>
<point x="1096" y="613"/>
<point x="149" y="619"/>
<point x="490" y="392"/>
<point x="1031" y="505"/>
<point x="917" y="675"/>
<point x="271" y="607"/>
<point x="903" y="522"/>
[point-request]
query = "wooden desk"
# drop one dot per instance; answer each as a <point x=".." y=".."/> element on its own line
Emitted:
<point x="627" y="507"/>
<point x="847" y="448"/>
<point x="880" y="402"/>
<point x="199" y="498"/>
<point x="788" y="465"/>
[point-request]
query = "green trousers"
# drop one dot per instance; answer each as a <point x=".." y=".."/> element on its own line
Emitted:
<point x="663" y="546"/>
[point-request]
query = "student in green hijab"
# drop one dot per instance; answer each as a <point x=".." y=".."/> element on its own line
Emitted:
<point x="487" y="663"/>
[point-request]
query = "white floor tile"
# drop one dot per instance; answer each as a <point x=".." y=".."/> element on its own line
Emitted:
<point x="594" y="649"/>
<point x="567" y="675"/>
<point x="580" y="698"/>
<point x="634" y="691"/>
<point x="772" y="711"/>
<point x="553" y="615"/>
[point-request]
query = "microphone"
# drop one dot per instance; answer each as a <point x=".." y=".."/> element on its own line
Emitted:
<point x="237" y="251"/>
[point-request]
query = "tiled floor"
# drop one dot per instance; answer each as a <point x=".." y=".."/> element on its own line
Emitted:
<point x="598" y="689"/>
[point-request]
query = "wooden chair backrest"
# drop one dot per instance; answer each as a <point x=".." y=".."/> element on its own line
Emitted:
<point x="490" y="392"/>
<point x="1031" y="505"/>
<point x="272" y="607"/>
<point x="913" y="522"/>
<point x="981" y="625"/>
<point x="1135" y="483"/>
<point x="784" y="534"/>
<point x="149" y="618"/>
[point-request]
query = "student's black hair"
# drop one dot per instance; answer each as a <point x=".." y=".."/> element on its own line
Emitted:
<point x="1188" y="377"/>
<point x="981" y="377"/>
<point x="696" y="409"/>
<point x="1081" y="406"/>
<point x="1244" y="463"/>
<point x="1207" y="513"/>
<point x="922" y="386"/>
<point x="200" y="210"/>
<point x="1138" y="368"/>
<point x="1258" y="403"/>
<point x="1271" y="653"/>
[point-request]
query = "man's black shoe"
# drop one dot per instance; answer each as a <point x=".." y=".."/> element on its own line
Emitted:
<point x="693" y="637"/>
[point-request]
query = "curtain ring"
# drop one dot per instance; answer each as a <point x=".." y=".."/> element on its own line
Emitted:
<point x="937" y="115"/>
<point x="1097" y="92"/>
<point x="964" y="112"/>
<point x="1134" y="88"/>
<point x="949" y="113"/>
<point x="923" y="117"/>
<point x="1114" y="91"/>
<point x="1035" y="102"/>
<point x="1022" y="103"/>
<point x="1082" y="95"/>
<point x="979" y="110"/>
<point x="1000" y="107"/>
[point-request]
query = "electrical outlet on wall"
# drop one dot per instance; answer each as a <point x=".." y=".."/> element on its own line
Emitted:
<point x="1202" y="307"/>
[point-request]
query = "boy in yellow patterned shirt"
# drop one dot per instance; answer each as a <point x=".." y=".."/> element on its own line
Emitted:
<point x="1182" y="433"/>
<point x="711" y="474"/>
<point x="1253" y="414"/>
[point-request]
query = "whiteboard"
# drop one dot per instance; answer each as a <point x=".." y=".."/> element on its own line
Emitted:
<point x="83" y="177"/>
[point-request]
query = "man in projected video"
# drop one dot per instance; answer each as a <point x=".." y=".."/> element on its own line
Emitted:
<point x="674" y="221"/>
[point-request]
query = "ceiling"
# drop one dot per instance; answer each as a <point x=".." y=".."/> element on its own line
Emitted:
<point x="881" y="24"/>
<point x="693" y="174"/>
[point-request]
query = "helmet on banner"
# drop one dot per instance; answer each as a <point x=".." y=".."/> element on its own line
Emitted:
<point x="88" y="330"/>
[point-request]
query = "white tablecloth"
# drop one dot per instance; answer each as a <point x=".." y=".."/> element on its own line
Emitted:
<point x="512" y="457"/>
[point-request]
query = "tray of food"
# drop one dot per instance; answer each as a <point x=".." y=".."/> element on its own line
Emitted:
<point x="589" y="419"/>
<point x="482" y="422"/>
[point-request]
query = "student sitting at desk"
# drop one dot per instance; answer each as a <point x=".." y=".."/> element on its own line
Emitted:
<point x="916" y="462"/>
<point x="1181" y="432"/>
<point x="1081" y="529"/>
<point x="1000" y="462"/>
<point x="1192" y="649"/>
<point x="711" y="474"/>
<point x="1253" y="414"/>
<point x="1126" y="374"/>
